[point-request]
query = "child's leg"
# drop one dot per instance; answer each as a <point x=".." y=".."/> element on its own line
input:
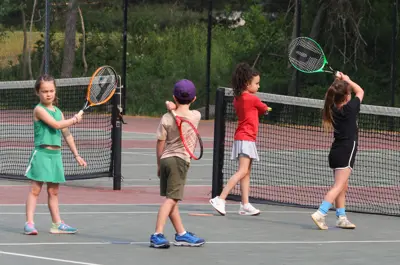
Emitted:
<point x="182" y="237"/>
<point x="163" y="213"/>
<point x="245" y="185"/>
<point x="245" y="207"/>
<point x="219" y="202"/>
<point x="340" y="202"/>
<point x="58" y="227"/>
<point x="52" y="197"/>
<point x="341" y="178"/>
<point x="176" y="220"/>
<point x="31" y="201"/>
<point x="244" y="164"/>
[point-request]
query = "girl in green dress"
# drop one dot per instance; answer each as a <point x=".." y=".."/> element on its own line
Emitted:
<point x="45" y="163"/>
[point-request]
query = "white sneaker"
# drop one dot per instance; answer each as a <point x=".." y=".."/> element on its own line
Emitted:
<point x="343" y="222"/>
<point x="218" y="205"/>
<point x="248" y="209"/>
<point x="319" y="220"/>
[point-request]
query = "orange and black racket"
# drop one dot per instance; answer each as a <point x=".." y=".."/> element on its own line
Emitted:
<point x="101" y="88"/>
<point x="190" y="136"/>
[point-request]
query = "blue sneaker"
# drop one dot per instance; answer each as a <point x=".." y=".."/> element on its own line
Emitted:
<point x="62" y="228"/>
<point x="159" y="241"/>
<point x="29" y="229"/>
<point x="188" y="239"/>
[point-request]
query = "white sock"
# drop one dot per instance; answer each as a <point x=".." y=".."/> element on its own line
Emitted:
<point x="181" y="234"/>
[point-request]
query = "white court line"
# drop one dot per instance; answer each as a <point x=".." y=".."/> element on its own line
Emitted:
<point x="148" y="152"/>
<point x="154" y="155"/>
<point x="153" y="165"/>
<point x="153" y="148"/>
<point x="125" y="180"/>
<point x="45" y="258"/>
<point x="118" y="204"/>
<point x="153" y="134"/>
<point x="395" y="241"/>
<point x="143" y="212"/>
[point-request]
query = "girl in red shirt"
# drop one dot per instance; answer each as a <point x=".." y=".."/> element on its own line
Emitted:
<point x="248" y="107"/>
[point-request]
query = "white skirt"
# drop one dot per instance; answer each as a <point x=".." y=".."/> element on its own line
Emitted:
<point x="246" y="148"/>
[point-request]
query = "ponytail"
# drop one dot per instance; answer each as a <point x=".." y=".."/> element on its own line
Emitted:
<point x="327" y="119"/>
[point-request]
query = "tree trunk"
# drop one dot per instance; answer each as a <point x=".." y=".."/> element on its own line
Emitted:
<point x="85" y="66"/>
<point x="315" y="30"/>
<point x="69" y="40"/>
<point x="30" y="39"/>
<point x="292" y="86"/>
<point x="24" y="48"/>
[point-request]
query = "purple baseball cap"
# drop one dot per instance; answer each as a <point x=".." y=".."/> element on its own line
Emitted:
<point x="184" y="90"/>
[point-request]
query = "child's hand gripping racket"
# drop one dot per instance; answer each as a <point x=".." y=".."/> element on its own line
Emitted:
<point x="190" y="136"/>
<point x="307" y="56"/>
<point x="101" y="88"/>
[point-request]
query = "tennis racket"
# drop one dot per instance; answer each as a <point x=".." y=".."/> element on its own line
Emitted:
<point x="190" y="136"/>
<point x="101" y="88"/>
<point x="307" y="56"/>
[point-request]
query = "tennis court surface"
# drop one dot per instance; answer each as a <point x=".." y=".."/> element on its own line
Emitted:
<point x="115" y="226"/>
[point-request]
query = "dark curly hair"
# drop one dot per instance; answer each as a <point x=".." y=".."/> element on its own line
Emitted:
<point x="241" y="77"/>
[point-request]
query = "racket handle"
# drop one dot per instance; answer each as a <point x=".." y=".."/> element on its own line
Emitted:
<point x="80" y="113"/>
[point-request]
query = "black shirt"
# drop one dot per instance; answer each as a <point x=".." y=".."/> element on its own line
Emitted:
<point x="345" y="120"/>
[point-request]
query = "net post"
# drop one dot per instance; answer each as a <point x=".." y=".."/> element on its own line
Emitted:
<point x="219" y="139"/>
<point x="117" y="138"/>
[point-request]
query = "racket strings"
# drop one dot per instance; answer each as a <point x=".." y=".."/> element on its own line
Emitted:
<point x="305" y="55"/>
<point x="102" y="86"/>
<point x="191" y="139"/>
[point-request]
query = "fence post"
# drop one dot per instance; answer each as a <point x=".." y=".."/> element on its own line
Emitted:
<point x="298" y="32"/>
<point x="208" y="77"/>
<point x="124" y="41"/>
<point x="394" y="50"/>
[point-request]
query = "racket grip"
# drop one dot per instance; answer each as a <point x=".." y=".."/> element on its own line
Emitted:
<point x="80" y="113"/>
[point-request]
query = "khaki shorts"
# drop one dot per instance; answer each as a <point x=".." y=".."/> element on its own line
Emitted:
<point x="173" y="171"/>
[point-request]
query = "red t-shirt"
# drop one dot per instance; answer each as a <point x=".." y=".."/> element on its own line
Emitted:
<point x="248" y="107"/>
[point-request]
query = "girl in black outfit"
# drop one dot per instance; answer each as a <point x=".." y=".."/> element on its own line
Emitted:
<point x="340" y="114"/>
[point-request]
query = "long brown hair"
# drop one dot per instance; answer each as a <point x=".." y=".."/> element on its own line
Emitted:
<point x="336" y="94"/>
<point x="46" y="78"/>
<point x="241" y="77"/>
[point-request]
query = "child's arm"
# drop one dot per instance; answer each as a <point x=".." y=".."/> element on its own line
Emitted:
<point x="71" y="143"/>
<point x="355" y="87"/>
<point x="41" y="114"/>
<point x="261" y="107"/>
<point x="170" y="105"/>
<point x="159" y="150"/>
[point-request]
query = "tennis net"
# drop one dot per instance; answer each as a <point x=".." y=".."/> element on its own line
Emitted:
<point x="293" y="149"/>
<point x="93" y="135"/>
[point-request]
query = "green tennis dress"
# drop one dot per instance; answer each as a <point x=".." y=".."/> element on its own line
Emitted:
<point x="46" y="165"/>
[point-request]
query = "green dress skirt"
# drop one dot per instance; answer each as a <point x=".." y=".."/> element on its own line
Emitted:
<point x="45" y="165"/>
